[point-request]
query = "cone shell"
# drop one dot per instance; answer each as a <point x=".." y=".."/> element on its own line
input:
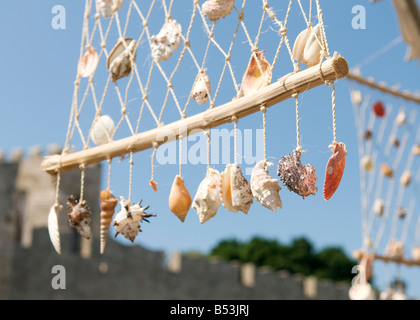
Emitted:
<point x="405" y="178"/>
<point x="415" y="252"/>
<point x="258" y="74"/>
<point x="366" y="163"/>
<point x="265" y="189"/>
<point x="306" y="48"/>
<point x="235" y="191"/>
<point x="179" y="199"/>
<point x="207" y="198"/>
<point x="201" y="90"/>
<point x="119" y="60"/>
<point x="166" y="41"/>
<point x="378" y="207"/>
<point x="107" y="7"/>
<point x="378" y="109"/>
<point x="79" y="216"/>
<point x="88" y="63"/>
<point x="334" y="170"/>
<point x="217" y="9"/>
<point x="53" y="229"/>
<point x="386" y="170"/>
<point x="108" y="204"/>
<point x="103" y="130"/>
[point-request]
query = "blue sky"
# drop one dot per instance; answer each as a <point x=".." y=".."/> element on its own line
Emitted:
<point x="39" y="67"/>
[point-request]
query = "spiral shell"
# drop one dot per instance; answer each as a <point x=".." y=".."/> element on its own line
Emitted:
<point x="108" y="204"/>
<point x="257" y="75"/>
<point x="79" y="216"/>
<point x="217" y="9"/>
<point x="120" y="59"/>
<point x="207" y="198"/>
<point x="201" y="90"/>
<point x="307" y="48"/>
<point x="265" y="189"/>
<point x="53" y="229"/>
<point x="107" y="7"/>
<point x="88" y="63"/>
<point x="166" y="41"/>
<point x="179" y="198"/>
<point x="127" y="220"/>
<point x="235" y="191"/>
<point x="103" y="130"/>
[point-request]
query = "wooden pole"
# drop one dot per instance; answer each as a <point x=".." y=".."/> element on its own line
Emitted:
<point x="329" y="70"/>
<point x="359" y="255"/>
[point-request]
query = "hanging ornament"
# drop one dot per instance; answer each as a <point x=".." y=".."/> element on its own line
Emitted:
<point x="405" y="178"/>
<point x="166" y="41"/>
<point x="79" y="216"/>
<point x="335" y="169"/>
<point x="401" y="118"/>
<point x="88" y="63"/>
<point x="103" y="130"/>
<point x="201" y="90"/>
<point x="121" y="58"/>
<point x="415" y="253"/>
<point x="307" y="48"/>
<point x="378" y="109"/>
<point x="378" y="207"/>
<point x="386" y="170"/>
<point x="153" y="184"/>
<point x="356" y="97"/>
<point x="298" y="178"/>
<point x="367" y="163"/>
<point x="217" y="9"/>
<point x="107" y="7"/>
<point x="179" y="198"/>
<point x="108" y="204"/>
<point x="258" y="74"/>
<point x="53" y="229"/>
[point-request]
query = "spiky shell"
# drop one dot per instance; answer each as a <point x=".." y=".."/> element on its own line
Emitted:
<point x="217" y="9"/>
<point x="107" y="7"/>
<point x="79" y="216"/>
<point x="108" y="204"/>
<point x="334" y="169"/>
<point x="207" y="198"/>
<point x="179" y="198"/>
<point x="235" y="191"/>
<point x="103" y="130"/>
<point x="307" y="48"/>
<point x="265" y="189"/>
<point x="166" y="41"/>
<point x="202" y="89"/>
<point x="88" y="63"/>
<point x="53" y="229"/>
<point x="257" y="75"/>
<point x="120" y="59"/>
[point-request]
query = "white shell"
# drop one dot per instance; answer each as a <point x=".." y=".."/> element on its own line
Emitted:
<point x="265" y="189"/>
<point x="202" y="89"/>
<point x="415" y="252"/>
<point x="366" y="162"/>
<point x="356" y="97"/>
<point x="405" y="178"/>
<point x="401" y="118"/>
<point x="306" y="48"/>
<point x="235" y="191"/>
<point x="207" y="198"/>
<point x="363" y="291"/>
<point x="378" y="207"/>
<point x="103" y="130"/>
<point x="119" y="60"/>
<point x="166" y="41"/>
<point x="217" y="9"/>
<point x="53" y="229"/>
<point x="107" y="6"/>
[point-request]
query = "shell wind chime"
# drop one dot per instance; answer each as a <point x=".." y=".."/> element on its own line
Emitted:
<point x="257" y="75"/>
<point x="119" y="62"/>
<point x="179" y="198"/>
<point x="217" y="9"/>
<point x="307" y="48"/>
<point x="108" y="204"/>
<point x="107" y="7"/>
<point x="335" y="169"/>
<point x="166" y="41"/>
<point x="79" y="216"/>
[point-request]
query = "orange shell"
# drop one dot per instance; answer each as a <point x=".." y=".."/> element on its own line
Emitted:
<point x="386" y="170"/>
<point x="334" y="170"/>
<point x="179" y="199"/>
<point x="153" y="184"/>
<point x="258" y="74"/>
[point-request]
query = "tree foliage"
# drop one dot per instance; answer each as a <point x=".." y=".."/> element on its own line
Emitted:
<point x="297" y="257"/>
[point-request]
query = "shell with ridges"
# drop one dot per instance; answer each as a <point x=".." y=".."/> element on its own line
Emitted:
<point x="334" y="169"/>
<point x="107" y="7"/>
<point x="217" y="9"/>
<point x="265" y="189"/>
<point x="179" y="198"/>
<point x="120" y="59"/>
<point x="207" y="197"/>
<point x="103" y="130"/>
<point x="166" y="41"/>
<point x="79" y="216"/>
<point x="108" y="204"/>
<point x="202" y="89"/>
<point x="53" y="229"/>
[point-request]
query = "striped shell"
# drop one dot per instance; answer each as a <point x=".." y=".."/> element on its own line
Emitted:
<point x="120" y="59"/>
<point x="217" y="9"/>
<point x="207" y="198"/>
<point x="166" y="41"/>
<point x="107" y="7"/>
<point x="53" y="229"/>
<point x="108" y="204"/>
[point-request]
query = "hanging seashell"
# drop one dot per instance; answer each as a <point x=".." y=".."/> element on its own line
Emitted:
<point x="298" y="178"/>
<point x="53" y="229"/>
<point x="416" y="150"/>
<point x="405" y="178"/>
<point x="386" y="170"/>
<point x="367" y="163"/>
<point x="207" y="198"/>
<point x="335" y="169"/>
<point x="258" y="74"/>
<point x="217" y="9"/>
<point x="235" y="191"/>
<point x="107" y="7"/>
<point x="179" y="199"/>
<point x="79" y="216"/>
<point x="153" y="184"/>
<point x="121" y="58"/>
<point x="307" y="48"/>
<point x="368" y="135"/>
<point x="201" y="90"/>
<point x="395" y="249"/>
<point x="378" y="109"/>
<point x="356" y="97"/>
<point x="108" y="204"/>
<point x="103" y="130"/>
<point x="395" y="141"/>
<point x="362" y="291"/>
<point x="166" y="41"/>
<point x="401" y="212"/>
<point x="415" y="253"/>
<point x="378" y="207"/>
<point x="88" y="63"/>
<point x="265" y="189"/>
<point x="127" y="221"/>
<point x="401" y="118"/>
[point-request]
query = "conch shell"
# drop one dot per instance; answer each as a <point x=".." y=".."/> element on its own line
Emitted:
<point x="265" y="189"/>
<point x="201" y="89"/>
<point x="217" y="9"/>
<point x="207" y="199"/>
<point x="108" y="204"/>
<point x="335" y="169"/>
<point x="53" y="229"/>
<point x="166" y="41"/>
<point x="258" y="74"/>
<point x="298" y="178"/>
<point x="179" y="198"/>
<point x="88" y="63"/>
<point x="127" y="221"/>
<point x="235" y="191"/>
<point x="120" y="59"/>
<point x="79" y="216"/>
<point x="108" y="7"/>
<point x="103" y="130"/>
<point x="307" y="48"/>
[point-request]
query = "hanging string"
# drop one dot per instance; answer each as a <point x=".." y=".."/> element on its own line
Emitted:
<point x="207" y="133"/>
<point x="298" y="147"/>
<point x="152" y="182"/>
<point x="57" y="191"/>
<point x="235" y="123"/>
<point x="180" y="155"/>
<point x="109" y="174"/>
<point x="82" y="181"/>
<point x="264" y="110"/>
<point x="130" y="176"/>
<point x="333" y="113"/>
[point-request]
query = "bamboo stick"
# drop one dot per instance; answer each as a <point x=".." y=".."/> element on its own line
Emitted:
<point x="359" y="255"/>
<point x="331" y="69"/>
